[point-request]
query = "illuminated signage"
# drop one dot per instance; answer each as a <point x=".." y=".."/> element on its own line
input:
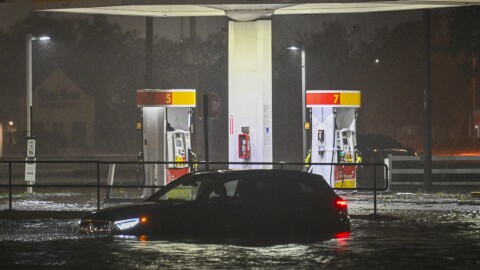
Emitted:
<point x="166" y="98"/>
<point x="332" y="98"/>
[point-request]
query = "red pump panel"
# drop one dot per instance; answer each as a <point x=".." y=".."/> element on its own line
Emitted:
<point x="244" y="146"/>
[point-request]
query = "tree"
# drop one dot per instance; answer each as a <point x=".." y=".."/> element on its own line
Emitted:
<point x="108" y="64"/>
<point x="95" y="54"/>
<point x="464" y="33"/>
<point x="464" y="42"/>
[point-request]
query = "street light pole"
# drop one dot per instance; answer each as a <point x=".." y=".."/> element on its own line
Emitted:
<point x="304" y="116"/>
<point x="29" y="85"/>
<point x="30" y="167"/>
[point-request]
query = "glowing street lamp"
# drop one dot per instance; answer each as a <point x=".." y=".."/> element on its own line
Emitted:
<point x="30" y="38"/>
<point x="31" y="166"/>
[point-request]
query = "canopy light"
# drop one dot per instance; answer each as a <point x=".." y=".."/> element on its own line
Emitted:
<point x="42" y="38"/>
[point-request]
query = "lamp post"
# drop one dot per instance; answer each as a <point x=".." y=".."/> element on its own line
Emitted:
<point x="30" y="167"/>
<point x="304" y="117"/>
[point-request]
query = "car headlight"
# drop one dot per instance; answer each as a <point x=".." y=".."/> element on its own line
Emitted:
<point x="126" y="223"/>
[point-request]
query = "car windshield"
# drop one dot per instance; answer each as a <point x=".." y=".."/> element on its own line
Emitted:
<point x="377" y="140"/>
<point x="187" y="190"/>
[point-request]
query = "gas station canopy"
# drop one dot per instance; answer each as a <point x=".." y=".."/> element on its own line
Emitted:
<point x="241" y="10"/>
<point x="246" y="38"/>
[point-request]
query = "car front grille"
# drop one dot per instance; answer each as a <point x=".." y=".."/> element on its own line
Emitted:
<point x="95" y="226"/>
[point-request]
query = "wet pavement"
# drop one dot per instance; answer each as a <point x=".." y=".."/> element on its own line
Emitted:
<point x="415" y="230"/>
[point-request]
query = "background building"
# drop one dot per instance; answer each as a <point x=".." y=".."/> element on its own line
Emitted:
<point x="63" y="116"/>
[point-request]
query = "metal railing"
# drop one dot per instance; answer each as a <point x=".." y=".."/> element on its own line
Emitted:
<point x="98" y="185"/>
<point x="452" y="165"/>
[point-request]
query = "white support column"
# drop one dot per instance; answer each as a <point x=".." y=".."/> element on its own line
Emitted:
<point x="154" y="146"/>
<point x="250" y="89"/>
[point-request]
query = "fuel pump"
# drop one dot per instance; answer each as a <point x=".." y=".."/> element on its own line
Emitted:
<point x="333" y="117"/>
<point x="178" y="147"/>
<point x="321" y="142"/>
<point x="166" y="133"/>
<point x="345" y="141"/>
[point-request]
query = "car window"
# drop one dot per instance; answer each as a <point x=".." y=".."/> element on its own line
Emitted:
<point x="227" y="189"/>
<point x="318" y="183"/>
<point x="269" y="187"/>
<point x="305" y="188"/>
<point x="187" y="191"/>
<point x="246" y="190"/>
<point x="231" y="187"/>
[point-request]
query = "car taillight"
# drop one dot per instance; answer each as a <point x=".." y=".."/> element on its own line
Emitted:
<point x="340" y="203"/>
<point x="342" y="235"/>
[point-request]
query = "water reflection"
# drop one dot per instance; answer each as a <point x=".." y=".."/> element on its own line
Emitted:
<point x="342" y="241"/>
<point x="422" y="239"/>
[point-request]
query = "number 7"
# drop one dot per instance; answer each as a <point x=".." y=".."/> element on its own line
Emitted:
<point x="336" y="98"/>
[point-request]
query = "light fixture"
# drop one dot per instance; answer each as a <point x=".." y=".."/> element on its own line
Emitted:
<point x="30" y="166"/>
<point x="42" y="38"/>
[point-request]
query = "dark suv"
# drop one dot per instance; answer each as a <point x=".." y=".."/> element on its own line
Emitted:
<point x="377" y="147"/>
<point x="232" y="204"/>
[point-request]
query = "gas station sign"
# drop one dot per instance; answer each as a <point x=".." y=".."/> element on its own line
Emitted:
<point x="332" y="98"/>
<point x="166" y="98"/>
<point x="31" y="147"/>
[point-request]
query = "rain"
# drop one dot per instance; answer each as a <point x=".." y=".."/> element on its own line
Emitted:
<point x="85" y="118"/>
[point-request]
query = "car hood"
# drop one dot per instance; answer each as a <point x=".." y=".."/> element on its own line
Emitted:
<point x="400" y="151"/>
<point x="129" y="211"/>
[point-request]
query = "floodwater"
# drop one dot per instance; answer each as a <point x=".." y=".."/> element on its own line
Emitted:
<point x="428" y="233"/>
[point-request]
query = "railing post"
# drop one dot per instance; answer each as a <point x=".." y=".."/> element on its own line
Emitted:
<point x="10" y="186"/>
<point x="98" y="185"/>
<point x="389" y="163"/>
<point x="389" y="177"/>
<point x="375" y="190"/>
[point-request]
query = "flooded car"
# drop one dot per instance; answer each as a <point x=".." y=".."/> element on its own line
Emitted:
<point x="230" y="204"/>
